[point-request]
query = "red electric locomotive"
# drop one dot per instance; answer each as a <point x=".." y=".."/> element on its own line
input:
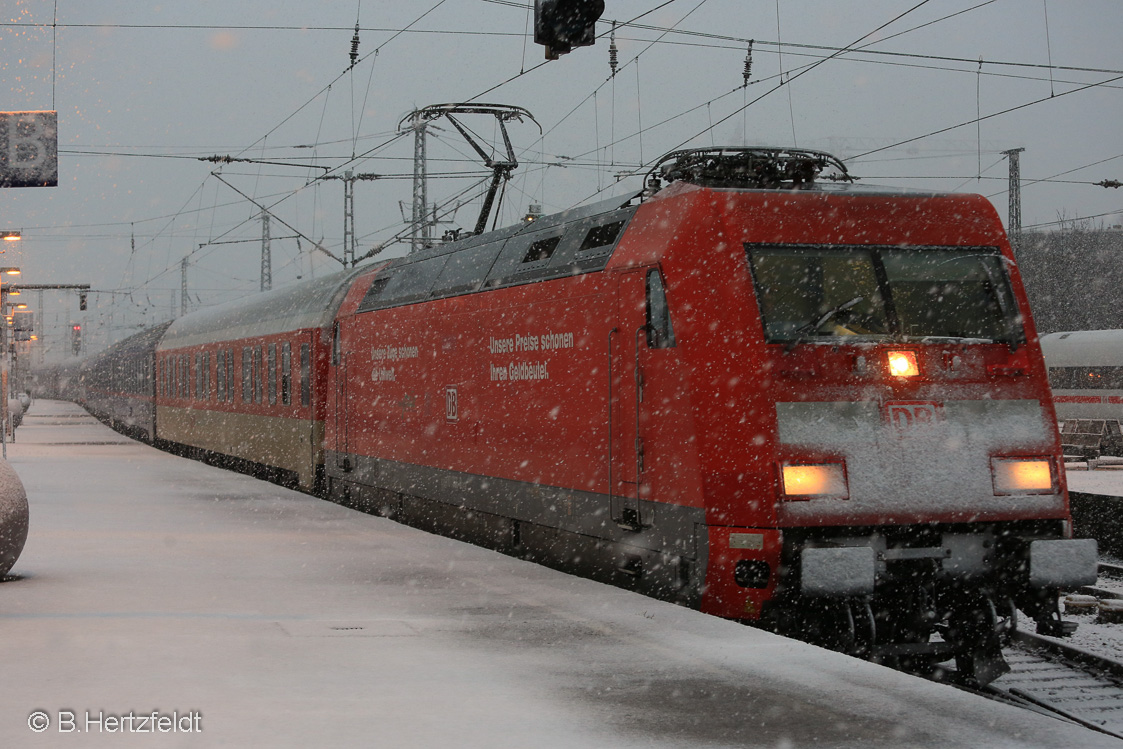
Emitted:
<point x="816" y="406"/>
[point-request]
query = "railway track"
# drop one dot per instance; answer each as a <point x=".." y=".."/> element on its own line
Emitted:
<point x="1114" y="571"/>
<point x="1058" y="678"/>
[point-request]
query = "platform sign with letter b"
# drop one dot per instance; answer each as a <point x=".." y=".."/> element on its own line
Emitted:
<point x="28" y="149"/>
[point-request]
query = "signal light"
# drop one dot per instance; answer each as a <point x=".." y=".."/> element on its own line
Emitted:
<point x="561" y="25"/>
<point x="82" y="301"/>
<point x="76" y="338"/>
<point x="903" y="364"/>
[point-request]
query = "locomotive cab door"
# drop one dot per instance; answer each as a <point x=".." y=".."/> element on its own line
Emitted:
<point x="643" y="324"/>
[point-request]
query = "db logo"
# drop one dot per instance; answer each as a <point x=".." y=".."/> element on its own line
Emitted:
<point x="450" y="404"/>
<point x="909" y="414"/>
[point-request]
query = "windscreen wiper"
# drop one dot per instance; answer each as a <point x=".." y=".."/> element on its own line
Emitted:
<point x="803" y="330"/>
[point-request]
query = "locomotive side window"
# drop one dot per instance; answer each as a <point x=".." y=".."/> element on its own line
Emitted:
<point x="374" y="293"/>
<point x="541" y="250"/>
<point x="336" y="346"/>
<point x="660" y="332"/>
<point x="601" y="236"/>
<point x="872" y="293"/>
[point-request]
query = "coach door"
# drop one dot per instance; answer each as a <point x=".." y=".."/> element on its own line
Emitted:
<point x="340" y="412"/>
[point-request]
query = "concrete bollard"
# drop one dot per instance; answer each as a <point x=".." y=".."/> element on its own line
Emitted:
<point x="13" y="517"/>
<point x="15" y="412"/>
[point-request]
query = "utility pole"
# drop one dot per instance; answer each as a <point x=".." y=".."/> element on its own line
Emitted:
<point x="183" y="287"/>
<point x="41" y="327"/>
<point x="419" y="231"/>
<point x="1014" y="221"/>
<point x="266" y="254"/>
<point x="348" y="219"/>
<point x="349" y="238"/>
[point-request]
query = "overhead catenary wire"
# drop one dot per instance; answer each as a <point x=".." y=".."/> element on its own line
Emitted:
<point x="319" y="157"/>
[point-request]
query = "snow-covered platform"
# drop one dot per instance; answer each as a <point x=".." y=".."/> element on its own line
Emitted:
<point x="257" y="616"/>
<point x="1106" y="479"/>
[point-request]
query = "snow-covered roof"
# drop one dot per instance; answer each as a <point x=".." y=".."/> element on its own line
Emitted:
<point x="306" y="305"/>
<point x="1083" y="348"/>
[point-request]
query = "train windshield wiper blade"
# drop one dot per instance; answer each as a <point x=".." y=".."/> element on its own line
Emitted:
<point x="802" y="331"/>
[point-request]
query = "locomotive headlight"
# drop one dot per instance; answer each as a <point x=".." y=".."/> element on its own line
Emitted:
<point x="1023" y="476"/>
<point x="814" y="481"/>
<point x="903" y="364"/>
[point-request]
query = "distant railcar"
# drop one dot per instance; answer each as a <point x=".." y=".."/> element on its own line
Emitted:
<point x="118" y="384"/>
<point x="1086" y="373"/>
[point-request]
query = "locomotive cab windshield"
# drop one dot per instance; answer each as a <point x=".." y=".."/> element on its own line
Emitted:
<point x="809" y="293"/>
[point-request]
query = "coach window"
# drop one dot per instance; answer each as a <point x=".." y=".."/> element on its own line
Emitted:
<point x="230" y="375"/>
<point x="305" y="375"/>
<point x="271" y="374"/>
<point x="257" y="374"/>
<point x="247" y="383"/>
<point x="207" y="376"/>
<point x="220" y="375"/>
<point x="660" y="332"/>
<point x="286" y="374"/>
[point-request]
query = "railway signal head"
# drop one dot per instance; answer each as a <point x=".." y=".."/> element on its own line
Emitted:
<point x="76" y="338"/>
<point x="561" y="25"/>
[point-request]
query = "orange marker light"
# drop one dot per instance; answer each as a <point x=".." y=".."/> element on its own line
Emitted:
<point x="806" y="481"/>
<point x="903" y="364"/>
<point x="1023" y="476"/>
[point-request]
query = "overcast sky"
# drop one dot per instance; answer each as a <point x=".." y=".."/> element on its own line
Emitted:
<point x="142" y="91"/>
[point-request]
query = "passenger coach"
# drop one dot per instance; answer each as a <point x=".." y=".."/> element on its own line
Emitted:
<point x="244" y="380"/>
